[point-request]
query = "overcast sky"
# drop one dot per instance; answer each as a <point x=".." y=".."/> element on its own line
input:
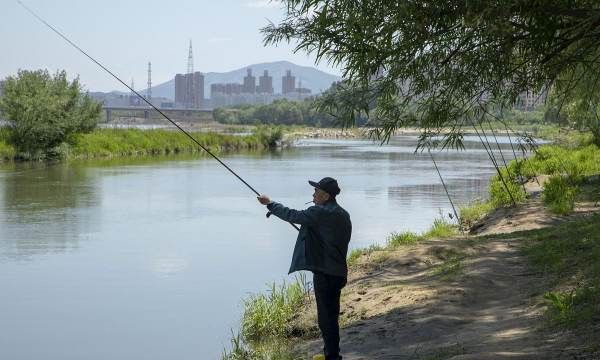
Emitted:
<point x="126" y="34"/>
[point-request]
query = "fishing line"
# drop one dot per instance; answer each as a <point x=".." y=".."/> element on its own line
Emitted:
<point x="141" y="97"/>
<point x="444" y="184"/>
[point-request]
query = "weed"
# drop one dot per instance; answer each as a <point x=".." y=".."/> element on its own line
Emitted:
<point x="451" y="265"/>
<point x="403" y="238"/>
<point x="473" y="212"/>
<point x="570" y="252"/>
<point x="559" y="195"/>
<point x="269" y="315"/>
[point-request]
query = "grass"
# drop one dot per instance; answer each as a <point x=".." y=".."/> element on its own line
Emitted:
<point x="470" y="214"/>
<point x="452" y="264"/>
<point x="267" y="323"/>
<point x="103" y="143"/>
<point x="570" y="254"/>
<point x="559" y="195"/>
<point x="439" y="229"/>
<point x="112" y="143"/>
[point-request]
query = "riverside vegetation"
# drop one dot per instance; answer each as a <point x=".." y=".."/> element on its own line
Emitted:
<point x="110" y="143"/>
<point x="567" y="254"/>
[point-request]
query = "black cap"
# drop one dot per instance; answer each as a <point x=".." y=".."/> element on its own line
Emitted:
<point x="327" y="184"/>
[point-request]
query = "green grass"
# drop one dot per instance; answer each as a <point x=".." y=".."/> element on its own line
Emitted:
<point x="452" y="264"/>
<point x="570" y="254"/>
<point x="470" y="214"/>
<point x="112" y="143"/>
<point x="439" y="229"/>
<point x="572" y="164"/>
<point x="559" y="195"/>
<point x="267" y="322"/>
<point x="135" y="142"/>
<point x="269" y="315"/>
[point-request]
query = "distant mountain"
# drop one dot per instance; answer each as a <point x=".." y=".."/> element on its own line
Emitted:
<point x="315" y="80"/>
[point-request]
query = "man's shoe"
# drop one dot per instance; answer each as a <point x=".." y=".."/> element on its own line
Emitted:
<point x="318" y="357"/>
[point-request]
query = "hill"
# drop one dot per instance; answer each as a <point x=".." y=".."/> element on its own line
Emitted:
<point x="313" y="79"/>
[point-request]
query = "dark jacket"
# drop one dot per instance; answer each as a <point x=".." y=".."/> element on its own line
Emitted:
<point x="322" y="243"/>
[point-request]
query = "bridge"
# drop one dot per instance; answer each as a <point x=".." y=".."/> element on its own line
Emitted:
<point x="149" y="115"/>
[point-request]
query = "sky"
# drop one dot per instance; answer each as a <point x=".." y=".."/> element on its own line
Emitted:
<point x="125" y="35"/>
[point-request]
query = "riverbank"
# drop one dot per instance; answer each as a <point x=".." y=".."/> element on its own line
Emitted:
<point x="523" y="285"/>
<point x="113" y="143"/>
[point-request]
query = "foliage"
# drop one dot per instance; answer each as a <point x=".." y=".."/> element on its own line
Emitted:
<point x="473" y="212"/>
<point x="280" y="112"/>
<point x="439" y="229"/>
<point x="7" y="151"/>
<point x="570" y="252"/>
<point x="136" y="142"/>
<point x="403" y="238"/>
<point x="504" y="188"/>
<point x="44" y="111"/>
<point x="443" y="64"/>
<point x="269" y="315"/>
<point x="559" y="195"/>
<point x="270" y="136"/>
<point x="270" y="350"/>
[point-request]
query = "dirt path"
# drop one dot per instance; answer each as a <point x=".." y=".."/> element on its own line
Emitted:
<point x="473" y="298"/>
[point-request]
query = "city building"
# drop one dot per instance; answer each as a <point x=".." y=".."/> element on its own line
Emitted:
<point x="249" y="86"/>
<point x="230" y="94"/>
<point x="288" y="82"/>
<point x="189" y="90"/>
<point x="265" y="84"/>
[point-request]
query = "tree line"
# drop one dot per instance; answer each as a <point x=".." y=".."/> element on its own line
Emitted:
<point x="279" y="112"/>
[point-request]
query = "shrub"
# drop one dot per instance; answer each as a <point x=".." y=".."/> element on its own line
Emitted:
<point x="44" y="111"/>
<point x="559" y="195"/>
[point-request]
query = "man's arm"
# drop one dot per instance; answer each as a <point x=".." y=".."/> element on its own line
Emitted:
<point x="302" y="217"/>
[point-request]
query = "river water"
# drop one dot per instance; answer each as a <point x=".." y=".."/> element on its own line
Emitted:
<point x="150" y="259"/>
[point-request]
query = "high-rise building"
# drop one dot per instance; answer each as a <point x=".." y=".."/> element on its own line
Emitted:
<point x="249" y="83"/>
<point x="288" y="82"/>
<point x="189" y="90"/>
<point x="180" y="89"/>
<point x="265" y="84"/>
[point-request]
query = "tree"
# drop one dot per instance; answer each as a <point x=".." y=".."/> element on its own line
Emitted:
<point x="44" y="111"/>
<point x="443" y="64"/>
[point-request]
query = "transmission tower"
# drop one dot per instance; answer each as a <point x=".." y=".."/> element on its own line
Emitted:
<point x="190" y="65"/>
<point x="149" y="93"/>
<point x="189" y="97"/>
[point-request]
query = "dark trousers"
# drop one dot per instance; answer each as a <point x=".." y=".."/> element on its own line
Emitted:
<point x="327" y="292"/>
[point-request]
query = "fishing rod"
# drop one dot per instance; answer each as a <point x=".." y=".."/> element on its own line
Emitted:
<point x="141" y="97"/>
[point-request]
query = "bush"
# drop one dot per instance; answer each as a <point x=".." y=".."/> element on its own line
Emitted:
<point x="43" y="111"/>
<point x="559" y="195"/>
<point x="502" y="193"/>
<point x="269" y="136"/>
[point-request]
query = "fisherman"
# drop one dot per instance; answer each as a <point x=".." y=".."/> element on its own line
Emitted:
<point x="321" y="247"/>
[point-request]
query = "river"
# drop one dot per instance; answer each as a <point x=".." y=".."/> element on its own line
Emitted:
<point x="150" y="258"/>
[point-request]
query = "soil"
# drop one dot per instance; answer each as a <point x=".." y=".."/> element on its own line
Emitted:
<point x="472" y="297"/>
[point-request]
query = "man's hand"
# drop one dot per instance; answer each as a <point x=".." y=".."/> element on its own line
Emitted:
<point x="264" y="199"/>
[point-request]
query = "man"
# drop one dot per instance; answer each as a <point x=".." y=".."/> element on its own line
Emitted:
<point x="321" y="247"/>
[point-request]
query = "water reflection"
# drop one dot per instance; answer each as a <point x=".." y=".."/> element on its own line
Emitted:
<point x="46" y="208"/>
